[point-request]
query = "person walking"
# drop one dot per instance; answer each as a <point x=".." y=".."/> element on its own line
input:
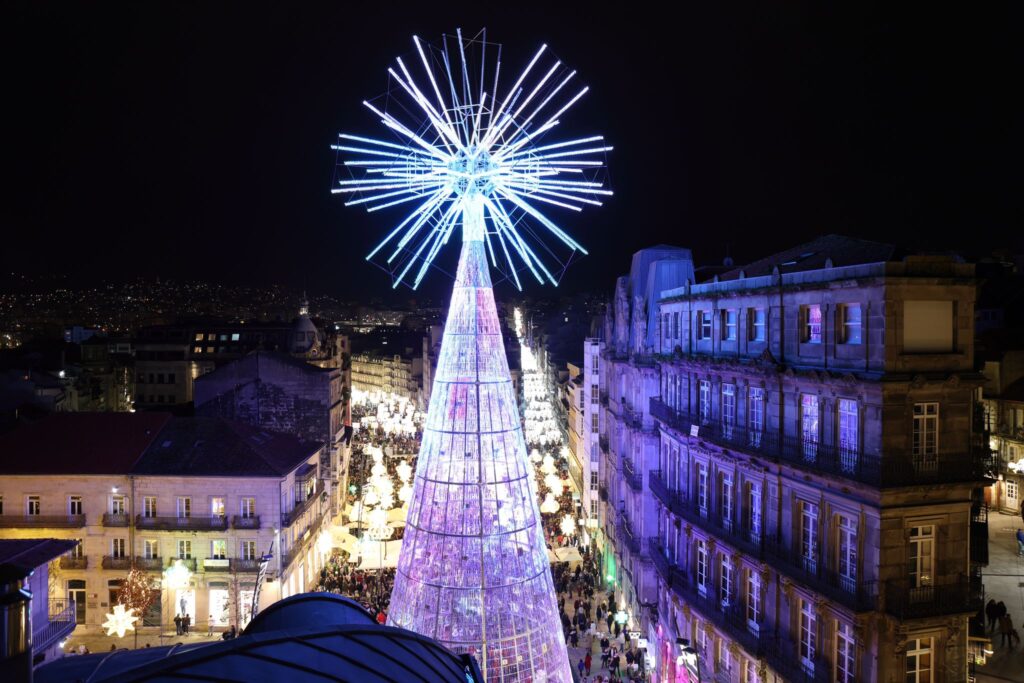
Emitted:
<point x="581" y="666"/>
<point x="1005" y="630"/>
<point x="587" y="661"/>
<point x="991" y="613"/>
<point x="177" y="624"/>
<point x="1020" y="542"/>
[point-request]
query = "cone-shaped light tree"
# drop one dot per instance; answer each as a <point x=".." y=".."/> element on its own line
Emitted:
<point x="473" y="572"/>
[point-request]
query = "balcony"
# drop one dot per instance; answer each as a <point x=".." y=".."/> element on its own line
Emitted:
<point x="42" y="521"/>
<point x="111" y="562"/>
<point x="632" y="418"/>
<point x="858" y="596"/>
<point x="731" y="618"/>
<point x="954" y="596"/>
<point x="891" y="471"/>
<point x="149" y="564"/>
<point x="603" y="442"/>
<point x="627" y="536"/>
<point x="239" y="522"/>
<point x="69" y="562"/>
<point x="189" y="562"/>
<point x="979" y="534"/>
<point x="59" y="625"/>
<point x="245" y="565"/>
<point x="192" y="523"/>
<point x="602" y="492"/>
<point x="115" y="519"/>
<point x="216" y="564"/>
<point x="288" y="518"/>
<point x="634" y="478"/>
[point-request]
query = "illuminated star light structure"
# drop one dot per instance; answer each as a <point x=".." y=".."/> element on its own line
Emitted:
<point x="473" y="572"/>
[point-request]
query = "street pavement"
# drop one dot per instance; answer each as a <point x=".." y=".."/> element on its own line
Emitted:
<point x="1004" y="581"/>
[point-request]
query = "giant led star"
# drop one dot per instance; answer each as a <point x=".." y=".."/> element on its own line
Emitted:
<point x="120" y="621"/>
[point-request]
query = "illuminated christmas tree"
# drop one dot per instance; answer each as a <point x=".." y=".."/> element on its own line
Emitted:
<point x="473" y="572"/>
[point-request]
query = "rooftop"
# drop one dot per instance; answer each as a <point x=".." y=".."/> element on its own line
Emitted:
<point x="839" y="250"/>
<point x="307" y="637"/>
<point x="19" y="557"/>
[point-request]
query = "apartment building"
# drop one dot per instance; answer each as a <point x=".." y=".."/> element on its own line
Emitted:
<point x="196" y="502"/>
<point x="814" y="458"/>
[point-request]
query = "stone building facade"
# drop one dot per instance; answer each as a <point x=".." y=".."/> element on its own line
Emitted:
<point x="279" y="392"/>
<point x="155" y="491"/>
<point x="393" y="374"/>
<point x="816" y="460"/>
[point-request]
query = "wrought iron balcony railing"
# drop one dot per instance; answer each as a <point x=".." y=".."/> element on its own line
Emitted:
<point x="69" y="562"/>
<point x="634" y="478"/>
<point x="239" y="522"/>
<point x="757" y="543"/>
<point x="191" y="523"/>
<point x="115" y="519"/>
<point x="42" y="521"/>
<point x="950" y="596"/>
<point x="150" y="564"/>
<point x="833" y="459"/>
<point x="111" y="562"/>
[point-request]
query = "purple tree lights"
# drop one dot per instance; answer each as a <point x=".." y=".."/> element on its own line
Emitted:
<point x="473" y="571"/>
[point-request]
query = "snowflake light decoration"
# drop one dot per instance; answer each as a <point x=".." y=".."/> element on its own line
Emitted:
<point x="120" y="621"/>
<point x="462" y="156"/>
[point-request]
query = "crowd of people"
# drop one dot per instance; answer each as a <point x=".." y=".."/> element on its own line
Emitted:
<point x="371" y="589"/>
<point x="998" y="616"/>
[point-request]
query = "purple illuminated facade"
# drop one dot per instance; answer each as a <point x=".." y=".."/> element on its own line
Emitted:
<point x="473" y="572"/>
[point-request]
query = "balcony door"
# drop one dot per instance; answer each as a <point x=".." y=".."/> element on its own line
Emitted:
<point x="76" y="592"/>
<point x="921" y="556"/>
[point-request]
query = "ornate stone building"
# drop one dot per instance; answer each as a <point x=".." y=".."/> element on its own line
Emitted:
<point x="816" y="458"/>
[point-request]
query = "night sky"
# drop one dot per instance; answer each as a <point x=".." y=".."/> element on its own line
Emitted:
<point x="191" y="141"/>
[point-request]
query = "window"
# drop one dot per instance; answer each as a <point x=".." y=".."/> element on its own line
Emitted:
<point x="185" y="549"/>
<point x="753" y="600"/>
<point x="809" y="425"/>
<point x="702" y="567"/>
<point x="235" y="336"/>
<point x="728" y="409"/>
<point x="755" y="415"/>
<point x="808" y="635"/>
<point x="702" y="488"/>
<point x="927" y="326"/>
<point x="810" y="324"/>
<point x="921" y="555"/>
<point x="809" y="535"/>
<point x="756" y="324"/>
<point x="925" y="447"/>
<point x="1" y="505"/>
<point x="919" y="660"/>
<point x="703" y="324"/>
<point x="77" y="552"/>
<point x="199" y="336"/>
<point x="117" y="547"/>
<point x="754" y="511"/>
<point x="845" y="654"/>
<point x="666" y="330"/>
<point x="197" y="349"/>
<point x="704" y="402"/>
<point x="75" y="505"/>
<point x="849" y="323"/>
<point x="729" y="324"/>
<point x="727" y="501"/>
<point x="170" y="378"/>
<point x="149" y="506"/>
<point x="675" y="324"/>
<point x="846" y="547"/>
<point x="248" y="507"/>
<point x="594" y="421"/>
<point x="248" y="550"/>
<point x="217" y="507"/>
<point x="218" y="549"/>
<point x="184" y="506"/>
<point x="151" y="549"/>
<point x="725" y="584"/>
<point x="724" y="658"/>
<point x="593" y="480"/>
<point x="118" y="505"/>
<point x="1012" y="490"/>
<point x="849" y="433"/>
<point x="32" y="505"/>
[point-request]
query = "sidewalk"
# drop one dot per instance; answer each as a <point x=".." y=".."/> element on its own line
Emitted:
<point x="1004" y="581"/>
<point x="97" y="641"/>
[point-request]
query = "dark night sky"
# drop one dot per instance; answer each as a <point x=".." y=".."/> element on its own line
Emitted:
<point x="192" y="140"/>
